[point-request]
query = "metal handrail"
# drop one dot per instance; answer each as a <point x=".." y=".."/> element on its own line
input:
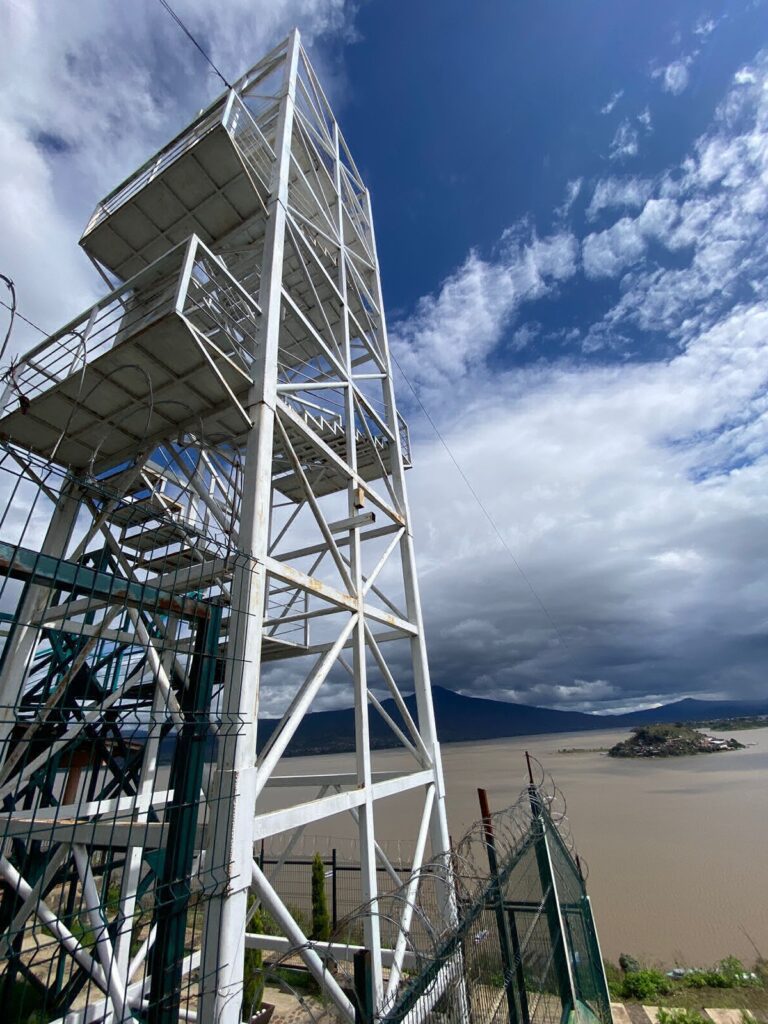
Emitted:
<point x="148" y="295"/>
<point x="153" y="166"/>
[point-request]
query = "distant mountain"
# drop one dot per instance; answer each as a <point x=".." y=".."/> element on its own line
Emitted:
<point x="462" y="718"/>
<point x="691" y="710"/>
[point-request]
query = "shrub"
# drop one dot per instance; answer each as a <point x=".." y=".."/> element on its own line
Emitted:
<point x="761" y="970"/>
<point x="644" y="985"/>
<point x="732" y="969"/>
<point x="614" y="977"/>
<point x="628" y="964"/>
<point x="680" y="1015"/>
<point x="706" y="979"/>
<point x="321" y="921"/>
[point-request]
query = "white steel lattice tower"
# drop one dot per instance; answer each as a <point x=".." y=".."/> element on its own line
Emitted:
<point x="216" y="447"/>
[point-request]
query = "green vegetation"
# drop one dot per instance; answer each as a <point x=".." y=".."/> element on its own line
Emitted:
<point x="680" y="1015"/>
<point x="321" y="921"/>
<point x="295" y="978"/>
<point x="685" y="992"/>
<point x="665" y="740"/>
<point x="253" y="968"/>
<point x="645" y="985"/>
<point x="24" y="1001"/>
<point x="733" y="724"/>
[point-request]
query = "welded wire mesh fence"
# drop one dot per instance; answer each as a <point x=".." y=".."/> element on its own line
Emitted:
<point x="113" y="660"/>
<point x="523" y="946"/>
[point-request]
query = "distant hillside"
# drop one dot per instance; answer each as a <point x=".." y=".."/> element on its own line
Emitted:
<point x="472" y="718"/>
<point x="691" y="710"/>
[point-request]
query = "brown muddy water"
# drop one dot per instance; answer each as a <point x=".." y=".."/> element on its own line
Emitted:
<point x="677" y="849"/>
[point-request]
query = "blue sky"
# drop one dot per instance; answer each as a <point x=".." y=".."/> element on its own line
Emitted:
<point x="571" y="203"/>
<point x="469" y="122"/>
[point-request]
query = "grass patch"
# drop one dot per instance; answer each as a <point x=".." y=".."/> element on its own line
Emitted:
<point x="728" y="985"/>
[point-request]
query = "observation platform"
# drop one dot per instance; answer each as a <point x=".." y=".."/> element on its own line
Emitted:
<point x="166" y="354"/>
<point x="212" y="179"/>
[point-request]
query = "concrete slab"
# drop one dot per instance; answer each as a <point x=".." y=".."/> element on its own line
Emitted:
<point x="619" y="1014"/>
<point x="725" y="1016"/>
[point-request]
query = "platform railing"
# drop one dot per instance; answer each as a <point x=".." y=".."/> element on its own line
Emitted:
<point x="253" y="146"/>
<point x="239" y="123"/>
<point x="188" y="280"/>
<point x="156" y="164"/>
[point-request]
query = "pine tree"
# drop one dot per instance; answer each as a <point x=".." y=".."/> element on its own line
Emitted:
<point x="253" y="969"/>
<point x="321" y="922"/>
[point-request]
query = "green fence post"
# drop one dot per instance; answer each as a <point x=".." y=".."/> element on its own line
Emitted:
<point x="497" y="898"/>
<point x="173" y="887"/>
<point x="363" y="975"/>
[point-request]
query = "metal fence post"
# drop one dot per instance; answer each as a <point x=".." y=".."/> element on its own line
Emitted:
<point x="334" y="896"/>
<point x="498" y="901"/>
<point x="363" y="976"/>
<point x="525" y="1013"/>
<point x="555" y="924"/>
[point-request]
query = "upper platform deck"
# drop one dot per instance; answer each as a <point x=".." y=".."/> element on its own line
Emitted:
<point x="210" y="181"/>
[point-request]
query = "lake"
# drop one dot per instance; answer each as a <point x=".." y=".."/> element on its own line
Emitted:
<point x="677" y="848"/>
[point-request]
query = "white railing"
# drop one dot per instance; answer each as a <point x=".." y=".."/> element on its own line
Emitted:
<point x="233" y="115"/>
<point x="154" y="166"/>
<point x="189" y="280"/>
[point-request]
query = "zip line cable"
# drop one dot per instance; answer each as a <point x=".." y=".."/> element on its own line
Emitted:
<point x="16" y="315"/>
<point x="483" y="509"/>
<point x="192" y="39"/>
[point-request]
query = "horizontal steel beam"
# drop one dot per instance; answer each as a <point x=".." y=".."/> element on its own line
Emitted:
<point x="58" y="574"/>
<point x="332" y="779"/>
<point x="315" y="810"/>
<point x="335" y="950"/>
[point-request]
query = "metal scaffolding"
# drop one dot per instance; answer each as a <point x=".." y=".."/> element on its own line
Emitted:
<point x="205" y="480"/>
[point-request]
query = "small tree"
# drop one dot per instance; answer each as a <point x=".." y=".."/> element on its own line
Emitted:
<point x="253" y="969"/>
<point x="321" y="922"/>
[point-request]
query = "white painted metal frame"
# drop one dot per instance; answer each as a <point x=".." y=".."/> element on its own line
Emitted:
<point x="285" y="499"/>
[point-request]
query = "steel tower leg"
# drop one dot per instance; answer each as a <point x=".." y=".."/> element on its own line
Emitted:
<point x="231" y="847"/>
<point x="20" y="647"/>
<point x="422" y="683"/>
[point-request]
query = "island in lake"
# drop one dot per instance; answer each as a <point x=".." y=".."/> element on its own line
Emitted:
<point x="670" y="741"/>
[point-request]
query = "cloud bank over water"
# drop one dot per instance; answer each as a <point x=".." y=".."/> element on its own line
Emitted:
<point x="628" y="475"/>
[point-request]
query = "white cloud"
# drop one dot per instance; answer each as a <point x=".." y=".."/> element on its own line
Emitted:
<point x="611" y="193"/>
<point x="607" y="253"/>
<point x="611" y="104"/>
<point x="525" y="335"/>
<point x="451" y="333"/>
<point x="645" y="119"/>
<point x="713" y="217"/>
<point x="630" y="492"/>
<point x="625" y="142"/>
<point x="572" y="192"/>
<point x="704" y="27"/>
<point x="87" y="91"/>
<point x="675" y="76"/>
<point x="744" y="76"/>
<point x="615" y="489"/>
